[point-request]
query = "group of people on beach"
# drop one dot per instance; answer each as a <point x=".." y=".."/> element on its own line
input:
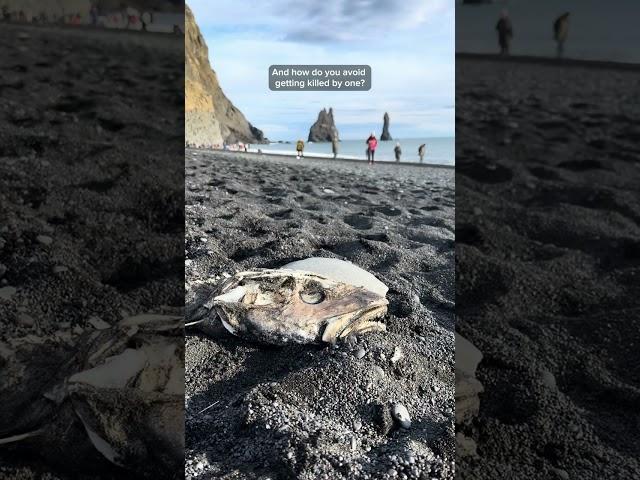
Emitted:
<point x="504" y="28"/>
<point x="125" y="17"/>
<point x="372" y="145"/>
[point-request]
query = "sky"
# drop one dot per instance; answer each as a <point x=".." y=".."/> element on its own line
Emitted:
<point x="408" y="43"/>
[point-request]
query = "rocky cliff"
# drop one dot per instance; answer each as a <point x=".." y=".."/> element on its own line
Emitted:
<point x="210" y="118"/>
<point x="324" y="129"/>
<point x="386" y="136"/>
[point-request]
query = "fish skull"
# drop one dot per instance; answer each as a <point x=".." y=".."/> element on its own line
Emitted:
<point x="287" y="306"/>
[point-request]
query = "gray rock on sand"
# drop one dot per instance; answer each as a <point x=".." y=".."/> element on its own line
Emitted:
<point x="401" y="415"/>
<point x="386" y="136"/>
<point x="7" y="292"/>
<point x="26" y="320"/>
<point x="340" y="270"/>
<point x="44" y="239"/>
<point x="324" y="130"/>
<point x="548" y="380"/>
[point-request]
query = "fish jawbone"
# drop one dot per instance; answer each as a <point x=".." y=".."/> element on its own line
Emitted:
<point x="359" y="321"/>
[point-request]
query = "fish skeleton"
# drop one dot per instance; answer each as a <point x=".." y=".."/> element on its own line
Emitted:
<point x="291" y="306"/>
<point x="115" y="394"/>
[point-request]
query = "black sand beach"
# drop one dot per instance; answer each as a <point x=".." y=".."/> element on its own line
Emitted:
<point x="91" y="212"/>
<point x="548" y="250"/>
<point x="313" y="412"/>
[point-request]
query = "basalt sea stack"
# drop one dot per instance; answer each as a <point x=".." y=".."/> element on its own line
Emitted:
<point x="386" y="136"/>
<point x="325" y="128"/>
<point x="210" y="118"/>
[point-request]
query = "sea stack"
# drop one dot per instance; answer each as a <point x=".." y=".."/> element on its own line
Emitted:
<point x="210" y="118"/>
<point x="324" y="129"/>
<point x="386" y="136"/>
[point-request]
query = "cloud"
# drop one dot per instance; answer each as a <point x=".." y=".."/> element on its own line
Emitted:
<point x="408" y="43"/>
<point x="328" y="20"/>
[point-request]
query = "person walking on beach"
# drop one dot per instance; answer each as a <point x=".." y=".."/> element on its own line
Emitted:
<point x="397" y="151"/>
<point x="505" y="32"/>
<point x="94" y="14"/>
<point x="421" y="151"/>
<point x="372" y="144"/>
<point x="560" y="32"/>
<point x="334" y="145"/>
<point x="300" y="149"/>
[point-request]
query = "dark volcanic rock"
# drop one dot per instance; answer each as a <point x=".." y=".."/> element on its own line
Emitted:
<point x="325" y="128"/>
<point x="386" y="136"/>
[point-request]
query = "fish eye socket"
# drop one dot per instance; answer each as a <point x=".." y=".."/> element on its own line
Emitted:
<point x="312" y="297"/>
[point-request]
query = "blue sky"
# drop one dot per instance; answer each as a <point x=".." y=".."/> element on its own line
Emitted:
<point x="408" y="43"/>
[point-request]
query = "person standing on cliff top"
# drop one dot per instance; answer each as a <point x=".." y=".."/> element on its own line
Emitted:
<point x="397" y="151"/>
<point x="505" y="32"/>
<point x="561" y="31"/>
<point x="372" y="144"/>
<point x="421" y="151"/>
<point x="300" y="149"/>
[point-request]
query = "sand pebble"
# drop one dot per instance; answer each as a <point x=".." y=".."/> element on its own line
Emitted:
<point x="360" y="353"/>
<point x="560" y="473"/>
<point x="548" y="380"/>
<point x="397" y="355"/>
<point x="7" y="292"/>
<point x="378" y="371"/>
<point x="59" y="269"/>
<point x="98" y="323"/>
<point x="44" y="239"/>
<point x="401" y="415"/>
<point x="328" y="190"/>
<point x="26" y="320"/>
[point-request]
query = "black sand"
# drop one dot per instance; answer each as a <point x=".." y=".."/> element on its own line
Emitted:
<point x="91" y="204"/>
<point x="548" y="262"/>
<point x="312" y="412"/>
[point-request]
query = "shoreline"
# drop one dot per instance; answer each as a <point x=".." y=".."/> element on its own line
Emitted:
<point x="549" y="61"/>
<point x="103" y="34"/>
<point x="320" y="158"/>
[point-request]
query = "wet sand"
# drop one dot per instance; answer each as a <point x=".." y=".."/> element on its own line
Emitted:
<point x="314" y="412"/>
<point x="547" y="191"/>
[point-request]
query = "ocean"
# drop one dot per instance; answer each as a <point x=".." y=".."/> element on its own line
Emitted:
<point x="597" y="30"/>
<point x="440" y="151"/>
